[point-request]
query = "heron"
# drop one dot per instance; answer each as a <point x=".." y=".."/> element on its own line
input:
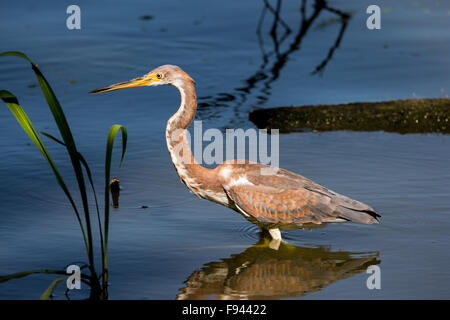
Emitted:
<point x="272" y="198"/>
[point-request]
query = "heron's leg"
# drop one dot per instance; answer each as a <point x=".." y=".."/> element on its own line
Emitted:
<point x="275" y="233"/>
<point x="274" y="244"/>
<point x="275" y="236"/>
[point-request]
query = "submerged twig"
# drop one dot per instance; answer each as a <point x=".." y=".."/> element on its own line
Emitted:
<point x="115" y="192"/>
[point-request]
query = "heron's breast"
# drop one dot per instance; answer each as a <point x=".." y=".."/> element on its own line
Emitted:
<point x="203" y="185"/>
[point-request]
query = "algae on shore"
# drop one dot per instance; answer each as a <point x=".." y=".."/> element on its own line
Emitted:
<point x="401" y="116"/>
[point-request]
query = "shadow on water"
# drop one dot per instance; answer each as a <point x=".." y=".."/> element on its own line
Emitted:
<point x="261" y="272"/>
<point x="284" y="41"/>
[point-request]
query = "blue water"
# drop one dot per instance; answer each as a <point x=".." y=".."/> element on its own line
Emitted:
<point x="156" y="252"/>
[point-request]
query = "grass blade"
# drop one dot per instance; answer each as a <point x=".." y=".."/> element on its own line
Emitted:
<point x="78" y="162"/>
<point x="69" y="142"/>
<point x="47" y="293"/>
<point x="88" y="172"/>
<point x="21" y="117"/>
<point x="109" y="148"/>
<point x="19" y="275"/>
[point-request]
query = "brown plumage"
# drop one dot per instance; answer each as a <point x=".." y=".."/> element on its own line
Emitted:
<point x="270" y="197"/>
<point x="286" y="198"/>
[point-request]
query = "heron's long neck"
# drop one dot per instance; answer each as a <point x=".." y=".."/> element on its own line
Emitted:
<point x="196" y="177"/>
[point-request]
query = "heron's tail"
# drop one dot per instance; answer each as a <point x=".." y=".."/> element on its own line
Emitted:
<point x="367" y="216"/>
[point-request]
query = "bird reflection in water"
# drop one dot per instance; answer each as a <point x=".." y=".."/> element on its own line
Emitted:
<point x="260" y="272"/>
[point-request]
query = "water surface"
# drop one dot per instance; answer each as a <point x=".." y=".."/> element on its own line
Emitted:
<point x="184" y="247"/>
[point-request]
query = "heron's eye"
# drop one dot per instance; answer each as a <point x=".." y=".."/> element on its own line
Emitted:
<point x="158" y="75"/>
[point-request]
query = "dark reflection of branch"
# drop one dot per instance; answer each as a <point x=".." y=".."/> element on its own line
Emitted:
<point x="284" y="42"/>
<point x="264" y="273"/>
<point x="344" y="17"/>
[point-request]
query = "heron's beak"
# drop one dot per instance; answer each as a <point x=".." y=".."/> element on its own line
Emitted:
<point x="137" y="82"/>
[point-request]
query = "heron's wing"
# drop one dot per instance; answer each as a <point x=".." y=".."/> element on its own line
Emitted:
<point x="280" y="206"/>
<point x="286" y="197"/>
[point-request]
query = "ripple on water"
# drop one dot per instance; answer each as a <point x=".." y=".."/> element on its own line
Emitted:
<point x="249" y="231"/>
<point x="57" y="199"/>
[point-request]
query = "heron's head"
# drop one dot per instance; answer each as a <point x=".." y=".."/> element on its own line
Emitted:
<point x="167" y="74"/>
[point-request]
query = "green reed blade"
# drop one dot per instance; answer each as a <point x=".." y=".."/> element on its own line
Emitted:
<point x="48" y="292"/>
<point x="21" y="117"/>
<point x="48" y="135"/>
<point x="67" y="137"/>
<point x="19" y="275"/>
<point x="109" y="148"/>
<point x="88" y="172"/>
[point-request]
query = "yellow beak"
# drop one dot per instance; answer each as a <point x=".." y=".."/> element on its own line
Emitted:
<point x="137" y="82"/>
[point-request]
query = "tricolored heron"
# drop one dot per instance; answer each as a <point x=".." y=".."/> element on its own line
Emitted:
<point x="279" y="200"/>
